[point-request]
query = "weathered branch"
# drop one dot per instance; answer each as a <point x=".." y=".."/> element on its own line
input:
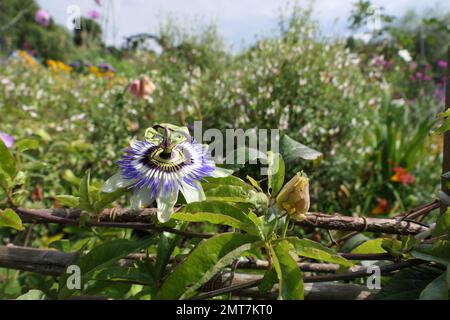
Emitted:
<point x="244" y="285"/>
<point x="53" y="262"/>
<point x="116" y="218"/>
<point x="143" y="219"/>
<point x="347" y="223"/>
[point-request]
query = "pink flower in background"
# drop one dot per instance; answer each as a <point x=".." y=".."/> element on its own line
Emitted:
<point x="7" y="139"/>
<point x="93" y="14"/>
<point x="42" y="17"/>
<point x="442" y="64"/>
<point x="426" y="78"/>
<point x="388" y="64"/>
<point x="413" y="65"/>
<point x="98" y="2"/>
<point x="142" y="87"/>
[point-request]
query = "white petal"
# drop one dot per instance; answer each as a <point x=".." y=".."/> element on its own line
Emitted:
<point x="166" y="201"/>
<point x="221" y="173"/>
<point x="141" y="199"/>
<point x="116" y="182"/>
<point x="192" y="194"/>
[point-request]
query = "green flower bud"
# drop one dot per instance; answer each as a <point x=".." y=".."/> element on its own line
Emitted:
<point x="294" y="197"/>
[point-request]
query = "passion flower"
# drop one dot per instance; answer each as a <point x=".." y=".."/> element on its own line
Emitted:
<point x="160" y="166"/>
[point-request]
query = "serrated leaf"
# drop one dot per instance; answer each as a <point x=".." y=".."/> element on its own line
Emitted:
<point x="314" y="250"/>
<point x="9" y="218"/>
<point x="203" y="262"/>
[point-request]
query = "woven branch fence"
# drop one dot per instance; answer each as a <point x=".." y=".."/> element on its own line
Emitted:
<point x="322" y="286"/>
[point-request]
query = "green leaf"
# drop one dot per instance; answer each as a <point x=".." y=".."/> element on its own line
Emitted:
<point x="275" y="172"/>
<point x="121" y="274"/>
<point x="101" y="257"/>
<point x="353" y="242"/>
<point x="70" y="177"/>
<point x="5" y="180"/>
<point x="438" y="252"/>
<point x="314" y="250"/>
<point x="108" y="198"/>
<point x="215" y="218"/>
<point x="255" y="183"/>
<point x="436" y="289"/>
<point x="85" y="201"/>
<point x="268" y="281"/>
<point x="203" y="262"/>
<point x="442" y="224"/>
<point x="7" y="162"/>
<point x="26" y="144"/>
<point x="68" y="201"/>
<point x="292" y="150"/>
<point x="218" y="213"/>
<point x="9" y="218"/>
<point x="228" y="194"/>
<point x="166" y="244"/>
<point x="33" y="295"/>
<point x="212" y="183"/>
<point x="370" y="246"/>
<point x="396" y="247"/>
<point x="290" y="280"/>
<point x="408" y="283"/>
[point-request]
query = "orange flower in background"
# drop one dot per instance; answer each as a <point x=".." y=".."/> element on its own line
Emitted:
<point x="401" y="175"/>
<point x="382" y="208"/>
<point x="27" y="59"/>
<point x="142" y="88"/>
<point x="95" y="71"/>
<point x="58" y="66"/>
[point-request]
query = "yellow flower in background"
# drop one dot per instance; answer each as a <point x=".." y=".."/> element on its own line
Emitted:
<point x="95" y="71"/>
<point x="294" y="197"/>
<point x="27" y="59"/>
<point x="58" y="66"/>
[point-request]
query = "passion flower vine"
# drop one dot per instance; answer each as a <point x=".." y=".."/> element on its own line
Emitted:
<point x="161" y="166"/>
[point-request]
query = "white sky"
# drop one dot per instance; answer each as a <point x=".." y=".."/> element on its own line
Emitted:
<point x="238" y="21"/>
